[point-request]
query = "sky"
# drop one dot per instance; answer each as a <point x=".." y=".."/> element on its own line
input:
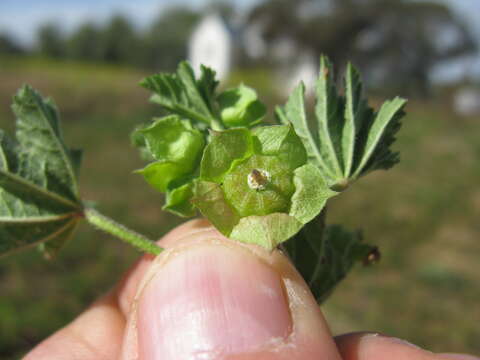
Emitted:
<point x="20" y="18"/>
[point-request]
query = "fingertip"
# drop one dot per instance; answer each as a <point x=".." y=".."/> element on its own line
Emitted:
<point x="452" y="356"/>
<point x="375" y="346"/>
<point x="211" y="271"/>
<point x="128" y="285"/>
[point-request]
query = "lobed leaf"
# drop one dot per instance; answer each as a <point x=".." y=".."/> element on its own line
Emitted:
<point x="39" y="200"/>
<point x="352" y="140"/>
<point x="380" y="134"/>
<point x="324" y="256"/>
<point x="328" y="114"/>
<point x="181" y="94"/>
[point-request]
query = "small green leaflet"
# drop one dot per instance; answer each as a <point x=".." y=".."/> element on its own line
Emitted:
<point x="324" y="262"/>
<point x="195" y="99"/>
<point x="39" y="201"/>
<point x="180" y="93"/>
<point x="352" y="139"/>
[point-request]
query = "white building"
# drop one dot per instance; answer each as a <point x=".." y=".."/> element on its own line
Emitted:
<point x="215" y="44"/>
<point x="212" y="44"/>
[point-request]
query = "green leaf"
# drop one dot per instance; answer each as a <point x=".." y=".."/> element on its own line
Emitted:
<point x="325" y="256"/>
<point x="39" y="200"/>
<point x="240" y="107"/>
<point x="354" y="107"/>
<point x="328" y="113"/>
<point x="351" y="140"/>
<point x="182" y="94"/>
<point x="224" y="148"/>
<point x="207" y="85"/>
<point x="294" y="113"/>
<point x="39" y="135"/>
<point x="378" y="136"/>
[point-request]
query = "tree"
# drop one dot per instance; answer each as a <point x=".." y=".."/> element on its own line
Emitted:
<point x="166" y="40"/>
<point x="50" y="41"/>
<point x="9" y="46"/>
<point x="119" y="42"/>
<point x="84" y="43"/>
<point x="398" y="40"/>
<point x="435" y="35"/>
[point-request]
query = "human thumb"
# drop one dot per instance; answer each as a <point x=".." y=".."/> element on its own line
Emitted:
<point x="206" y="297"/>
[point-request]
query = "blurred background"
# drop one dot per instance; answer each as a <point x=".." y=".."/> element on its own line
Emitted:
<point x="424" y="214"/>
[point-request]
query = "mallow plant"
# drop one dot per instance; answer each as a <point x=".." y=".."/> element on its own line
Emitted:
<point x="212" y="153"/>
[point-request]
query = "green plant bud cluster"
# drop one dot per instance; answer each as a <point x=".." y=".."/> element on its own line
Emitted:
<point x="256" y="186"/>
<point x="174" y="144"/>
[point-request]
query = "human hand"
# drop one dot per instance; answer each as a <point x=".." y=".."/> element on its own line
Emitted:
<point x="206" y="297"/>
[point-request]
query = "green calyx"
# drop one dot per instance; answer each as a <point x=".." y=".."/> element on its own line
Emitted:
<point x="239" y="106"/>
<point x="256" y="186"/>
<point x="176" y="148"/>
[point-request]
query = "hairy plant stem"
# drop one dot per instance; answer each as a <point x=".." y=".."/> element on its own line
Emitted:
<point x="120" y="231"/>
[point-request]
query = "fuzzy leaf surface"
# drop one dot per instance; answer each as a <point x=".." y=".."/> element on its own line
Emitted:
<point x="182" y="94"/>
<point x="324" y="256"/>
<point x="352" y="139"/>
<point x="39" y="200"/>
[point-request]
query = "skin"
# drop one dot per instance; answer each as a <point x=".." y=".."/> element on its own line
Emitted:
<point x="119" y="324"/>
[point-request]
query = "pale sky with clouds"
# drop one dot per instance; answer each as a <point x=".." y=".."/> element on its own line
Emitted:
<point x="20" y="18"/>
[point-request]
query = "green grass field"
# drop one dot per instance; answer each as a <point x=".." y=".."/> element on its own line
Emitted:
<point x="423" y="214"/>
